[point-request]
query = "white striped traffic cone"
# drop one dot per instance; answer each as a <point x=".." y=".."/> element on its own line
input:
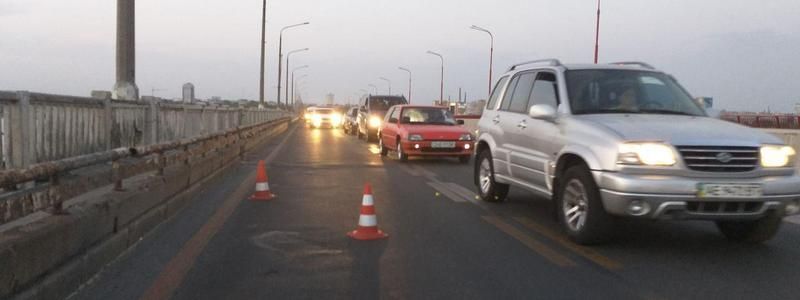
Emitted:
<point x="367" y="221"/>
<point x="262" y="184"/>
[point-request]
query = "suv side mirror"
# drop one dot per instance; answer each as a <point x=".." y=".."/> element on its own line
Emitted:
<point x="542" y="112"/>
<point x="392" y="120"/>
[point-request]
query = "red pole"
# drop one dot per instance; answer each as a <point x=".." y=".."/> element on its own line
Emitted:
<point x="597" y="33"/>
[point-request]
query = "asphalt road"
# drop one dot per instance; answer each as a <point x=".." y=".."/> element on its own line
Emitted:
<point x="443" y="243"/>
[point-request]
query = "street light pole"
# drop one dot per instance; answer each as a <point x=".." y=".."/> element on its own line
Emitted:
<point x="389" y="82"/>
<point x="374" y="88"/>
<point x="409" y="82"/>
<point x="491" y="54"/>
<point x="441" y="82"/>
<point x="597" y="33"/>
<point x="287" y="79"/>
<point x="288" y="56"/>
<point x="263" y="44"/>
<point x="280" y="58"/>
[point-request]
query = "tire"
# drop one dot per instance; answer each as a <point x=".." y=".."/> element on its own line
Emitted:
<point x="488" y="189"/>
<point x="580" y="209"/>
<point x="754" y="232"/>
<point x="358" y="133"/>
<point x="402" y="156"/>
<point x="384" y="150"/>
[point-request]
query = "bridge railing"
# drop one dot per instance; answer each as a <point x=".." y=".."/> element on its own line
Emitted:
<point x="764" y="120"/>
<point x="37" y="127"/>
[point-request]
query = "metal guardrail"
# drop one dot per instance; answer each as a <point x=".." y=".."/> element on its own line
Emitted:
<point x="764" y="121"/>
<point x="39" y="127"/>
<point x="59" y="183"/>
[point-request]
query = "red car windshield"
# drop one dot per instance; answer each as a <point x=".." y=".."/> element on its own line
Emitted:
<point x="427" y="115"/>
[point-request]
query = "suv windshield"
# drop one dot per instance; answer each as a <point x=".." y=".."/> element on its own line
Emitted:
<point x="627" y="91"/>
<point x="383" y="103"/>
<point x="427" y="115"/>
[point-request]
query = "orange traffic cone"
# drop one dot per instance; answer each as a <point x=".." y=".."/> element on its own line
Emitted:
<point x="262" y="185"/>
<point x="367" y="221"/>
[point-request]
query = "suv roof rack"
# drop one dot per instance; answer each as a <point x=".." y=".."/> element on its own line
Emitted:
<point x="635" y="63"/>
<point x="549" y="61"/>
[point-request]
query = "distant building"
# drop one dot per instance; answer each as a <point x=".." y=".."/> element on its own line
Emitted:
<point x="329" y="98"/>
<point x="188" y="93"/>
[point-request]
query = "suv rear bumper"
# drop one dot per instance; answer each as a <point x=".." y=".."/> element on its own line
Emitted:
<point x="673" y="197"/>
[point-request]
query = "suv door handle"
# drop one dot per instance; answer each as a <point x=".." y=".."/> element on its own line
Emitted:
<point x="523" y="124"/>
<point x="496" y="119"/>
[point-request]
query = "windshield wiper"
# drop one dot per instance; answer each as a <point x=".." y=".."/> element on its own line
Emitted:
<point x="666" y="112"/>
<point x="617" y="111"/>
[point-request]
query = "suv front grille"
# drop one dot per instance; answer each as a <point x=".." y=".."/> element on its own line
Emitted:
<point x="720" y="158"/>
<point x="723" y="207"/>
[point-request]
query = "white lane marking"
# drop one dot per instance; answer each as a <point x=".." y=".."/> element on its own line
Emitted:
<point x="441" y="188"/>
<point x="793" y="219"/>
<point x="430" y="175"/>
<point x="467" y="194"/>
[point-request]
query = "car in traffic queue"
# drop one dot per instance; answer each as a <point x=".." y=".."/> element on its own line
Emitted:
<point x="324" y="117"/>
<point x="626" y="140"/>
<point x="350" y="121"/>
<point x="371" y="113"/>
<point x="410" y="130"/>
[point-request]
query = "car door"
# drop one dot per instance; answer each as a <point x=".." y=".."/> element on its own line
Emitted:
<point x="389" y="130"/>
<point x="537" y="141"/>
<point x="494" y="123"/>
<point x="516" y="122"/>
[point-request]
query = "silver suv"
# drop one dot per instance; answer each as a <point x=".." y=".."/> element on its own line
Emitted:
<point x="626" y="140"/>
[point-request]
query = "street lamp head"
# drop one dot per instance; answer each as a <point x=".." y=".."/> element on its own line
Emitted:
<point x="434" y="53"/>
<point x="404" y="69"/>
<point x="383" y="78"/>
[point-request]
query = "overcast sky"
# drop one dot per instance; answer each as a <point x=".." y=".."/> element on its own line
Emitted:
<point x="745" y="54"/>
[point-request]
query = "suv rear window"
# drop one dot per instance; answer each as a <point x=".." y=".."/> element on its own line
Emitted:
<point x="384" y="103"/>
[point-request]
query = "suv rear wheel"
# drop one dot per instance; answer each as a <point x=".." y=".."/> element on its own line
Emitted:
<point x="580" y="209"/>
<point x="489" y="190"/>
<point x="757" y="231"/>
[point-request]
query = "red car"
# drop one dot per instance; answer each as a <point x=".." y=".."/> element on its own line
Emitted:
<point x="411" y="130"/>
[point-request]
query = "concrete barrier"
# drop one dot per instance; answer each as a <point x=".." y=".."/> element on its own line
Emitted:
<point x="45" y="256"/>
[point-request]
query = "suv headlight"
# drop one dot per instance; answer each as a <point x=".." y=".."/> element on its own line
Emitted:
<point x="336" y="118"/>
<point x="651" y="154"/>
<point x="465" y="137"/>
<point x="777" y="156"/>
<point x="414" y="137"/>
<point x="374" y="121"/>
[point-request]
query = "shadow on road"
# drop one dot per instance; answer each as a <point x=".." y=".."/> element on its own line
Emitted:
<point x="365" y="280"/>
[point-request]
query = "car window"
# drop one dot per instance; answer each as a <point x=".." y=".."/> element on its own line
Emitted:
<point x="509" y="91"/>
<point x="428" y="115"/>
<point x="395" y="115"/>
<point x="522" y="92"/>
<point x="384" y="103"/>
<point x="545" y="90"/>
<point x="496" y="93"/>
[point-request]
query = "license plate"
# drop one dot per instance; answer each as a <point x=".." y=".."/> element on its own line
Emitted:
<point x="443" y="144"/>
<point x="728" y="190"/>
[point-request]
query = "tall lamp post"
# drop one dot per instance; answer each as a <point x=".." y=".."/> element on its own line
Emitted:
<point x="288" y="56"/>
<point x="374" y="88"/>
<point x="287" y="80"/>
<point x="263" y="43"/>
<point x="597" y="33"/>
<point x="280" y="58"/>
<point x="409" y="82"/>
<point x="491" y="53"/>
<point x="441" y="82"/>
<point x="388" y="82"/>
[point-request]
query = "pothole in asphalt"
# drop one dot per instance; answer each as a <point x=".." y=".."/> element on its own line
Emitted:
<point x="291" y="244"/>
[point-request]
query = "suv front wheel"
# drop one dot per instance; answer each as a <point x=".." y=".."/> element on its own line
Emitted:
<point x="580" y="209"/>
<point x="489" y="190"/>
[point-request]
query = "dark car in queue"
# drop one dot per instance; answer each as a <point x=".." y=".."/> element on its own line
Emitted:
<point x="350" y="121"/>
<point x="371" y="113"/>
<point x="424" y="131"/>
